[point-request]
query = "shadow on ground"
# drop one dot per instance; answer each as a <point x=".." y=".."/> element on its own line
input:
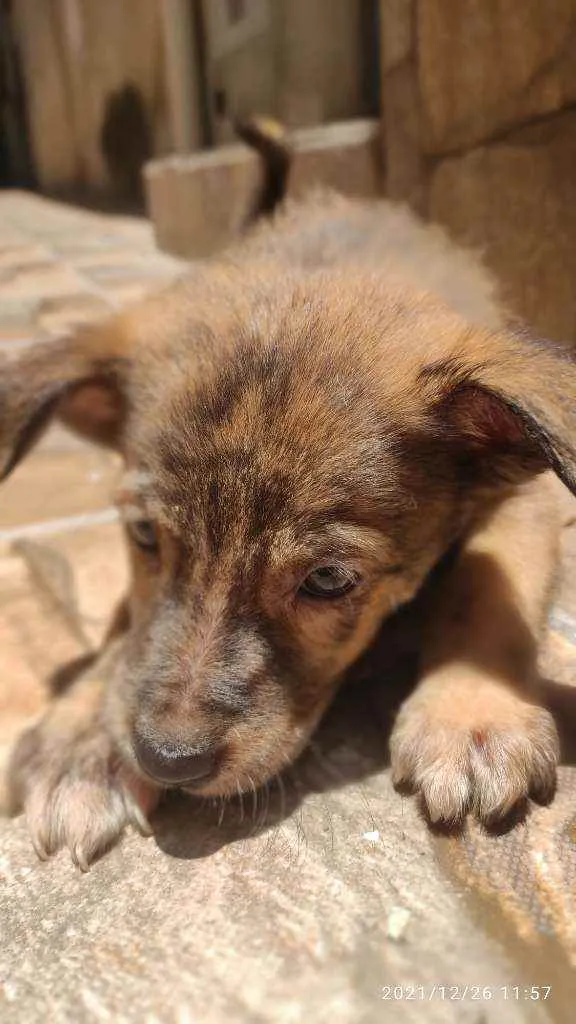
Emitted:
<point x="350" y="746"/>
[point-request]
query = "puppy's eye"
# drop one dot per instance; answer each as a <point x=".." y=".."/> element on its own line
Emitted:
<point x="143" y="533"/>
<point x="329" y="581"/>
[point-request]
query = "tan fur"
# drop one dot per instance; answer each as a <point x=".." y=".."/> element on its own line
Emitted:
<point x="337" y="390"/>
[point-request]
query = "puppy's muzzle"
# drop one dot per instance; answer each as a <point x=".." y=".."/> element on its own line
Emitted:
<point x="176" y="765"/>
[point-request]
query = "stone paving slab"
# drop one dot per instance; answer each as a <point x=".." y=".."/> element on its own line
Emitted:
<point x="57" y="484"/>
<point x="62" y="266"/>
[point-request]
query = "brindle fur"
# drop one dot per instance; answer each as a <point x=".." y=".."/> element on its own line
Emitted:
<point x="338" y="387"/>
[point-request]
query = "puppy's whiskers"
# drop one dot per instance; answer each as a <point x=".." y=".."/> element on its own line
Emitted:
<point x="254" y="798"/>
<point x="265" y="806"/>
<point x="241" y="798"/>
<point x="282" y="788"/>
<point x="222" y="800"/>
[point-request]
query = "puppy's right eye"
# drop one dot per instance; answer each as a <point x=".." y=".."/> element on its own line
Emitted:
<point x="328" y="582"/>
<point x="143" y="533"/>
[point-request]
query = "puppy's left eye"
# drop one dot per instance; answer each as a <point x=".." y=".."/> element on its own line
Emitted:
<point x="329" y="581"/>
<point x="143" y="533"/>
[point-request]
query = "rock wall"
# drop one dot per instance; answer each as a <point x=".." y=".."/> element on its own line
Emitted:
<point x="479" y="101"/>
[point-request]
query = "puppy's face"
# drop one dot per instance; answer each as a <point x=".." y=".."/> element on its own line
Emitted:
<point x="300" y="454"/>
<point x="274" y="520"/>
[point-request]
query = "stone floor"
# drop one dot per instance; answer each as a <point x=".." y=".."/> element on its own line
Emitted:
<point x="61" y="265"/>
<point x="307" y="904"/>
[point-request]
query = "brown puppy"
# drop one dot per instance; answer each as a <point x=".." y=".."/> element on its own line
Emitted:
<point x="309" y="424"/>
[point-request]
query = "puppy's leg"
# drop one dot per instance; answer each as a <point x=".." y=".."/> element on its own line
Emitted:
<point x="474" y="735"/>
<point x="67" y="776"/>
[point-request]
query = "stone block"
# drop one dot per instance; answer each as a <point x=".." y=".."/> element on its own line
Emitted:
<point x="198" y="203"/>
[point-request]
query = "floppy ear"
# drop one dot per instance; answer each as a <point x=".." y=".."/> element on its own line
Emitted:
<point x="510" y="402"/>
<point x="79" y="379"/>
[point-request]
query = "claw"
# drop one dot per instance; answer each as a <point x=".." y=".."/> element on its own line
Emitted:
<point x="79" y="858"/>
<point x="39" y="849"/>
<point x="138" y="819"/>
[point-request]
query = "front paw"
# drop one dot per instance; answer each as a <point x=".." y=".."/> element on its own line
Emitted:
<point x="473" y="748"/>
<point x="74" y="791"/>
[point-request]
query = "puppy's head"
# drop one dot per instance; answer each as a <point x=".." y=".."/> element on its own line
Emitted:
<point x="300" y="452"/>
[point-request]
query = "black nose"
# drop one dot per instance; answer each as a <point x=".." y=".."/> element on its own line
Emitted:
<point x="175" y="764"/>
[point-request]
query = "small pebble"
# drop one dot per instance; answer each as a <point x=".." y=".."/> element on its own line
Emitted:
<point x="372" y="837"/>
<point x="398" y="919"/>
